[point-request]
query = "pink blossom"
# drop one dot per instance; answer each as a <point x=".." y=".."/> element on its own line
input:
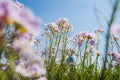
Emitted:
<point x="32" y="69"/>
<point x="23" y="18"/>
<point x="115" y="31"/>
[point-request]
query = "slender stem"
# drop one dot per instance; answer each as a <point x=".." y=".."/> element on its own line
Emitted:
<point x="108" y="38"/>
<point x="83" y="63"/>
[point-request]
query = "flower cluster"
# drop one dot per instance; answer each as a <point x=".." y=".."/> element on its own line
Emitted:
<point x="23" y="25"/>
<point x="62" y="25"/>
<point x="14" y="13"/>
<point x="84" y="36"/>
<point x="32" y="69"/>
<point x="60" y="57"/>
<point x="115" y="56"/>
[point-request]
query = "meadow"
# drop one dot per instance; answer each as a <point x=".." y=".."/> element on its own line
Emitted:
<point x="55" y="54"/>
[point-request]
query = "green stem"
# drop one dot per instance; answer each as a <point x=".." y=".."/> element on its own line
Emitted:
<point x="108" y="38"/>
<point x="83" y="63"/>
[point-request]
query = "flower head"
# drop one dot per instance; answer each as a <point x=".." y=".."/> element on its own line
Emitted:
<point x="15" y="13"/>
<point x="31" y="69"/>
<point x="98" y="30"/>
<point x="115" y="31"/>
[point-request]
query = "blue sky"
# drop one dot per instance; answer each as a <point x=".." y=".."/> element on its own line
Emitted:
<point x="80" y="13"/>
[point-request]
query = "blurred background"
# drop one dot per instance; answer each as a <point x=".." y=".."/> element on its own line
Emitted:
<point x="84" y="15"/>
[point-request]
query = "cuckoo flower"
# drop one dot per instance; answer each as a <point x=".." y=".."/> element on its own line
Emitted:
<point x="32" y="69"/>
<point x="60" y="27"/>
<point x="99" y="30"/>
<point x="115" y="56"/>
<point x="63" y="24"/>
<point x="91" y="36"/>
<point x="53" y="28"/>
<point x="115" y="31"/>
<point x="83" y="36"/>
<point x="22" y="44"/>
<point x="23" y="18"/>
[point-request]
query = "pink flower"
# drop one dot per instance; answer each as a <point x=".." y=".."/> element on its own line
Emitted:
<point x="32" y="69"/>
<point x="63" y="24"/>
<point x="115" y="31"/>
<point x="62" y="21"/>
<point x="83" y="36"/>
<point x="115" y="56"/>
<point x="99" y="30"/>
<point x="18" y="4"/>
<point x="91" y="36"/>
<point x="23" y="18"/>
<point x="23" y="44"/>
